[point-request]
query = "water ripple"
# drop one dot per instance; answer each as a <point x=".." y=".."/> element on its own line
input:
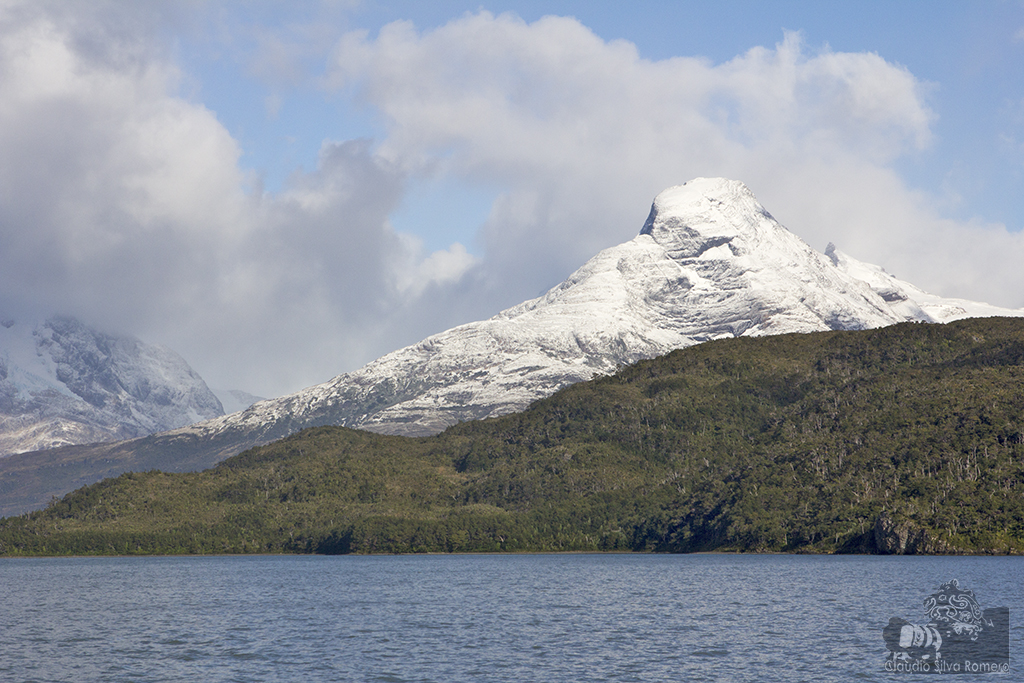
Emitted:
<point x="449" y="619"/>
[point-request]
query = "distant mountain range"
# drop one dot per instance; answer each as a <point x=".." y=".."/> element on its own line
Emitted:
<point x="709" y="263"/>
<point x="63" y="382"/>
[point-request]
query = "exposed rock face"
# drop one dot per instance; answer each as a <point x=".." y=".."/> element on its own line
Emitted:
<point x="904" y="538"/>
<point x="62" y="383"/>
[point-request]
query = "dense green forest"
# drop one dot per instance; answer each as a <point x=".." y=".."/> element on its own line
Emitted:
<point x="905" y="439"/>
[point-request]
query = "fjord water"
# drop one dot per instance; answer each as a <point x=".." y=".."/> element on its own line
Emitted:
<point x="447" y="619"/>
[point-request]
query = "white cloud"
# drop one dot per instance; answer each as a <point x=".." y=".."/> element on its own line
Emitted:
<point x="99" y="165"/>
<point x="440" y="268"/>
<point x="584" y="132"/>
<point x="122" y="202"/>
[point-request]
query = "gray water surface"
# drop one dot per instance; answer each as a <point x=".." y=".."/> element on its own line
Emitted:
<point x="447" y="619"/>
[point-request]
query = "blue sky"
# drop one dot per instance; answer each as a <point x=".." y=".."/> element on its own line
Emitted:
<point x="970" y="55"/>
<point x="284" y="191"/>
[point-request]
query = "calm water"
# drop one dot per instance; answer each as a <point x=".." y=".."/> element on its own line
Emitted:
<point x="545" y="618"/>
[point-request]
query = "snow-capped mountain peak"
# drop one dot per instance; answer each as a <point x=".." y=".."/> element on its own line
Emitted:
<point x="706" y="214"/>
<point x="62" y="382"/>
<point x="710" y="262"/>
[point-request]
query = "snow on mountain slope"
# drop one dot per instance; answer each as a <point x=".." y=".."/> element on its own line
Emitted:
<point x="710" y="262"/>
<point x="62" y="382"/>
<point x="911" y="302"/>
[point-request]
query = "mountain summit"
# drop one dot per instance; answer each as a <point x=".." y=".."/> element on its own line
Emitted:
<point x="710" y="262"/>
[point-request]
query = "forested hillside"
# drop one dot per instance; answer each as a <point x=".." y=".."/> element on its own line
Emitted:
<point x="908" y="438"/>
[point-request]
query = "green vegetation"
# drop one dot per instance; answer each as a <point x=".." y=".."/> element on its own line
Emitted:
<point x="904" y="439"/>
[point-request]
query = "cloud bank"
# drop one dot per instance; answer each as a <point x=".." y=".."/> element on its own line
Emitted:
<point x="122" y="200"/>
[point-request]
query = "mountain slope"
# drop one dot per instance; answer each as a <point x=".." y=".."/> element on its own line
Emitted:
<point x="904" y="439"/>
<point x="62" y="382"/>
<point x="709" y="263"/>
